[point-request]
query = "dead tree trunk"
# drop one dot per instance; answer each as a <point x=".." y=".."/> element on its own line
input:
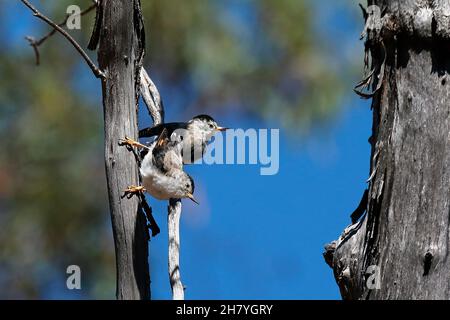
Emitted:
<point x="400" y="248"/>
<point x="119" y="30"/>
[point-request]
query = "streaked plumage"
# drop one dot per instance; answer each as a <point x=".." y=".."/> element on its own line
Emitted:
<point x="162" y="170"/>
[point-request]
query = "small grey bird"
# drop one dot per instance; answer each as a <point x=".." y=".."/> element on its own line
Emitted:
<point x="162" y="170"/>
<point x="196" y="134"/>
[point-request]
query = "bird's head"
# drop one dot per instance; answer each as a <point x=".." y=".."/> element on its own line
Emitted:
<point x="205" y="125"/>
<point x="187" y="187"/>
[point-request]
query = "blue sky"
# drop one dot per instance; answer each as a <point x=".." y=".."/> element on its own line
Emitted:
<point x="262" y="237"/>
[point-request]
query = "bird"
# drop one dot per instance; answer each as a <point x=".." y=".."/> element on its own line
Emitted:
<point x="162" y="171"/>
<point x="196" y="133"/>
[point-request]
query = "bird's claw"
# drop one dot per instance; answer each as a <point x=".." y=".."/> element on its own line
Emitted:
<point x="133" y="190"/>
<point x="131" y="143"/>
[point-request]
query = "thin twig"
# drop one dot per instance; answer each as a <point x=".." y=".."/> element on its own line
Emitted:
<point x="152" y="98"/>
<point x="36" y="43"/>
<point x="97" y="72"/>
<point x="173" y="226"/>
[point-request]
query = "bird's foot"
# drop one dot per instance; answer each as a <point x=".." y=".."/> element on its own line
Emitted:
<point x="131" y="143"/>
<point x="133" y="190"/>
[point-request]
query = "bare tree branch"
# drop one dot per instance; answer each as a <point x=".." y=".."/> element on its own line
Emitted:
<point x="36" y="43"/>
<point x="173" y="226"/>
<point x="155" y="107"/>
<point x="152" y="98"/>
<point x="97" y="72"/>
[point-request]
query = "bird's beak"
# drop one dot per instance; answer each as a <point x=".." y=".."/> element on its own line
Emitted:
<point x="190" y="196"/>
<point x="221" y="128"/>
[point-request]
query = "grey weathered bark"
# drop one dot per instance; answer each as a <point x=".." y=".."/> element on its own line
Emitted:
<point x="406" y="230"/>
<point x="121" y="47"/>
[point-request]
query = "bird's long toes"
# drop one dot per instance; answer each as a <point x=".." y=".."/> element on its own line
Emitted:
<point x="133" y="190"/>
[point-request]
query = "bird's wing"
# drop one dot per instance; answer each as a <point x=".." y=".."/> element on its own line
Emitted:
<point x="163" y="139"/>
<point x="157" y="130"/>
<point x="166" y="153"/>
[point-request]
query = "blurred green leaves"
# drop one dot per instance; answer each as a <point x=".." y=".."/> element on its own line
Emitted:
<point x="53" y="207"/>
<point x="262" y="57"/>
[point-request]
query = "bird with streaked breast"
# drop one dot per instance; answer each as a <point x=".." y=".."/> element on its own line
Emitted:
<point x="196" y="134"/>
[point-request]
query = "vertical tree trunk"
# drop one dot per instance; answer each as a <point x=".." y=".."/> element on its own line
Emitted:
<point x="400" y="248"/>
<point x="120" y="56"/>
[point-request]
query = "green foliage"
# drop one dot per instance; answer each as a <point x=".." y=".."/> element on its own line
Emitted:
<point x="268" y="62"/>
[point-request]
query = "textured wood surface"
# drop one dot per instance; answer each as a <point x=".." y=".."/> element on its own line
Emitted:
<point x="405" y="232"/>
<point x="173" y="226"/>
<point x="120" y="55"/>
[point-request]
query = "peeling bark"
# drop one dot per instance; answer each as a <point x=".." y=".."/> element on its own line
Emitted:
<point x="405" y="231"/>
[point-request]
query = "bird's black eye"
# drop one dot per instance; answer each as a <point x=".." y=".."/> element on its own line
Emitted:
<point x="211" y="126"/>
<point x="187" y="185"/>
